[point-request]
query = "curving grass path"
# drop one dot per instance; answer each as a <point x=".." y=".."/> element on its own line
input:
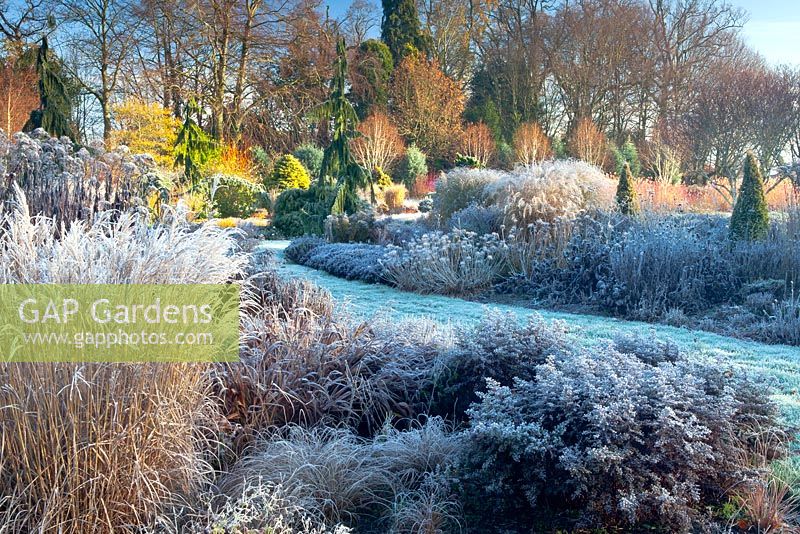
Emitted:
<point x="363" y="300"/>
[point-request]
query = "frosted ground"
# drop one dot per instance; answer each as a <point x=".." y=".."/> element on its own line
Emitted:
<point x="360" y="300"/>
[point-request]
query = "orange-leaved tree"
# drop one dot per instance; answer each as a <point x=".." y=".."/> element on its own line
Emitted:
<point x="427" y="106"/>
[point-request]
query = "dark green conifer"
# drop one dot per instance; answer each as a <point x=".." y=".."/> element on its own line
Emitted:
<point x="54" y="113"/>
<point x="400" y="29"/>
<point x="338" y="162"/>
<point x="750" y="218"/>
<point x="626" y="192"/>
<point x="193" y="147"/>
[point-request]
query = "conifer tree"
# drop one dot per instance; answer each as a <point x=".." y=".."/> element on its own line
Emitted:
<point x="55" y="97"/>
<point x="750" y="218"/>
<point x="628" y="153"/>
<point x="626" y="192"/>
<point x="338" y="161"/>
<point x="400" y="28"/>
<point x="193" y="147"/>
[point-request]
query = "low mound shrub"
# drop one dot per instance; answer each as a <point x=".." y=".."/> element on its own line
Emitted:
<point x="478" y="219"/>
<point x="352" y="261"/>
<point x="298" y="211"/>
<point x="630" y="435"/>
<point x="288" y="173"/>
<point x="500" y="347"/>
<point x="356" y="228"/>
<point x="299" y="249"/>
<point x="235" y="196"/>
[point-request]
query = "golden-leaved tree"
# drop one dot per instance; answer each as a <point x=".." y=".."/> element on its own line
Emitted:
<point x="147" y="128"/>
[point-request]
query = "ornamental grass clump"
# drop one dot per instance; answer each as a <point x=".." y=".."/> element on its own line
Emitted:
<point x="461" y="187"/>
<point x="337" y="476"/>
<point x="457" y="263"/>
<point x="100" y="447"/>
<point x="302" y="365"/>
<point x="548" y="190"/>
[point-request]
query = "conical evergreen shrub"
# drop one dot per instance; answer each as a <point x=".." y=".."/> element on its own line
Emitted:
<point x="626" y="192"/>
<point x="750" y="219"/>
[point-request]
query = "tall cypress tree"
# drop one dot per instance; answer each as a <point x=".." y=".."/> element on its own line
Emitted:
<point x="400" y="28"/>
<point x="750" y="218"/>
<point x="338" y="161"/>
<point x="55" y="97"/>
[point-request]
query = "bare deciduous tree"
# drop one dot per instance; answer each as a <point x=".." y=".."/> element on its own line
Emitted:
<point x="531" y="143"/>
<point x="379" y="144"/>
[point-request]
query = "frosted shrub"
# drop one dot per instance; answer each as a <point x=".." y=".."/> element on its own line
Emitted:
<point x="665" y="264"/>
<point x="301" y="248"/>
<point x="624" y="439"/>
<point x="61" y="183"/>
<point x="461" y="187"/>
<point x="355" y="228"/>
<point x="352" y="261"/>
<point x="397" y="232"/>
<point x="564" y="261"/>
<point x="478" y="219"/>
<point x="500" y="347"/>
<point x="261" y="508"/>
<point x="456" y="263"/>
<point x="551" y="189"/>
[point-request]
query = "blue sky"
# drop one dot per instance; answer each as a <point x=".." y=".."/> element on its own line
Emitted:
<point x="773" y="28"/>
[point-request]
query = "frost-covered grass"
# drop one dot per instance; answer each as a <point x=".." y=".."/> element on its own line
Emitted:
<point x="97" y="447"/>
<point x="365" y="300"/>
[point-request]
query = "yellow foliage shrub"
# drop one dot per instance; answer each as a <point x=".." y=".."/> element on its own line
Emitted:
<point x="146" y="128"/>
<point x="228" y="222"/>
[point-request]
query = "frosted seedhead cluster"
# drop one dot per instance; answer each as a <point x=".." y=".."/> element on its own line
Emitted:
<point x="455" y="263"/>
<point x="68" y="184"/>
